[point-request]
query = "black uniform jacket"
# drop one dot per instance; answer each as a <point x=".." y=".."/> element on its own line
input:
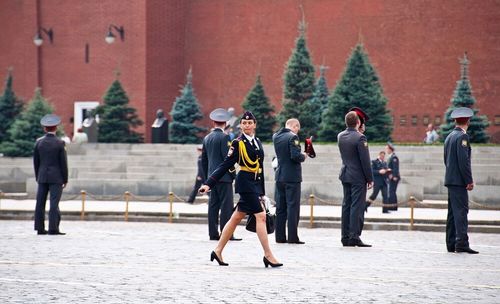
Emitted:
<point x="393" y="164"/>
<point x="50" y="160"/>
<point x="246" y="182"/>
<point x="287" y="148"/>
<point x="356" y="165"/>
<point x="457" y="159"/>
<point x="215" y="147"/>
<point x="378" y="165"/>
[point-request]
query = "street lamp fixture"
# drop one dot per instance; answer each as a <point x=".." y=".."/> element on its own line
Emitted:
<point x="110" y="37"/>
<point x="38" y="40"/>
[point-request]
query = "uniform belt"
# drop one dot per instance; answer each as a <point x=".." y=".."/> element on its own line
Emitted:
<point x="246" y="169"/>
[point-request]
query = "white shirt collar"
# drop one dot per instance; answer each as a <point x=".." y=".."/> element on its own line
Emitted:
<point x="250" y="138"/>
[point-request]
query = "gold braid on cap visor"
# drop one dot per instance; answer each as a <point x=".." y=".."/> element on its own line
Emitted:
<point x="248" y="164"/>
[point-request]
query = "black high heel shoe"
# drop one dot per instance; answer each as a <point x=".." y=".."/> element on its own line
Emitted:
<point x="213" y="256"/>
<point x="267" y="263"/>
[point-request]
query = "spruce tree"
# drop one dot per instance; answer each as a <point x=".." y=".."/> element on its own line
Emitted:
<point x="320" y="99"/>
<point x="116" y="118"/>
<point x="185" y="111"/>
<point x="359" y="86"/>
<point x="462" y="97"/>
<point x="10" y="108"/>
<point x="26" y="128"/>
<point x="258" y="103"/>
<point x="299" y="87"/>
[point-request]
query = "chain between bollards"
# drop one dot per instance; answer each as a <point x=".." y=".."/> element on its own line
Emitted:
<point x="412" y="206"/>
<point x="311" y="202"/>
<point x="171" y="199"/>
<point x="127" y="198"/>
<point x="82" y="212"/>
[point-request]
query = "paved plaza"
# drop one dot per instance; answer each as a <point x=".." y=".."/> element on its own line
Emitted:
<point x="119" y="262"/>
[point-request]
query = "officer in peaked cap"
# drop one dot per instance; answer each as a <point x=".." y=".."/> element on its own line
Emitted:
<point x="215" y="148"/>
<point x="458" y="180"/>
<point x="363" y="118"/>
<point x="394" y="175"/>
<point x="51" y="173"/>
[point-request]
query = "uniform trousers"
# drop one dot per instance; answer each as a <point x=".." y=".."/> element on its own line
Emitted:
<point x="287" y="209"/>
<point x="353" y="211"/>
<point x="220" y="199"/>
<point x="54" y="212"/>
<point x="393" y="197"/>
<point x="456" y="222"/>
<point x="382" y="187"/>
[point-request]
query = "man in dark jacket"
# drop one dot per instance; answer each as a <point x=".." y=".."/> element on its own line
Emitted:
<point x="288" y="178"/>
<point x="51" y="173"/>
<point x="356" y="176"/>
<point x="215" y="148"/>
<point x="394" y="176"/>
<point x="458" y="180"/>
<point x="380" y="171"/>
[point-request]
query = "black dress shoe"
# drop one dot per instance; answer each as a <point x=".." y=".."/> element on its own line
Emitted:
<point x="215" y="238"/>
<point x="385" y="211"/>
<point x="267" y="263"/>
<point x="296" y="242"/>
<point x="450" y="249"/>
<point x="56" y="233"/>
<point x="235" y="239"/>
<point x="213" y="256"/>
<point x="466" y="249"/>
<point x="281" y="241"/>
<point x="358" y="243"/>
<point x="41" y="232"/>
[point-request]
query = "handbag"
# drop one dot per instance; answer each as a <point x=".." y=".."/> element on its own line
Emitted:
<point x="270" y="221"/>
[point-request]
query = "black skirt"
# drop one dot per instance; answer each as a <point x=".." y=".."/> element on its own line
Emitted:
<point x="249" y="203"/>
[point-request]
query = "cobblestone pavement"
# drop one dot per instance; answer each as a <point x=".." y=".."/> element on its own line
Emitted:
<point x="118" y="262"/>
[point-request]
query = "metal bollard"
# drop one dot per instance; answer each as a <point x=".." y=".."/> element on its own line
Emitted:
<point x="127" y="197"/>
<point x="82" y="212"/>
<point x="311" y="202"/>
<point x="171" y="199"/>
<point x="412" y="206"/>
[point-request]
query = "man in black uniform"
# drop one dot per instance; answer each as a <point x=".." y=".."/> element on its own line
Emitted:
<point x="215" y="147"/>
<point x="458" y="180"/>
<point x="288" y="178"/>
<point x="380" y="171"/>
<point x="51" y="173"/>
<point x="394" y="176"/>
<point x="356" y="176"/>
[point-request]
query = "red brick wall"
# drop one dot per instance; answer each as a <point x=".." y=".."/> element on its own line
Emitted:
<point x="414" y="45"/>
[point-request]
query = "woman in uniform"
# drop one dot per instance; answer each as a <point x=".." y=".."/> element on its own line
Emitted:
<point x="246" y="150"/>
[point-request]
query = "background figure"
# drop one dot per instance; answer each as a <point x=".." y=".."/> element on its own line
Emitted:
<point x="394" y="176"/>
<point x="458" y="180"/>
<point x="80" y="137"/>
<point x="431" y="136"/>
<point x="380" y="172"/>
<point x="356" y="176"/>
<point x="200" y="177"/>
<point x="51" y="173"/>
<point x="288" y="178"/>
<point x="215" y="147"/>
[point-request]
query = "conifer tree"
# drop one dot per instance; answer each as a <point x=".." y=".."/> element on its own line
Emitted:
<point x="26" y="128"/>
<point x="299" y="87"/>
<point x="185" y="111"/>
<point x="359" y="86"/>
<point x="320" y="99"/>
<point x="258" y="103"/>
<point x="462" y="97"/>
<point x="10" y="108"/>
<point x="116" y="118"/>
